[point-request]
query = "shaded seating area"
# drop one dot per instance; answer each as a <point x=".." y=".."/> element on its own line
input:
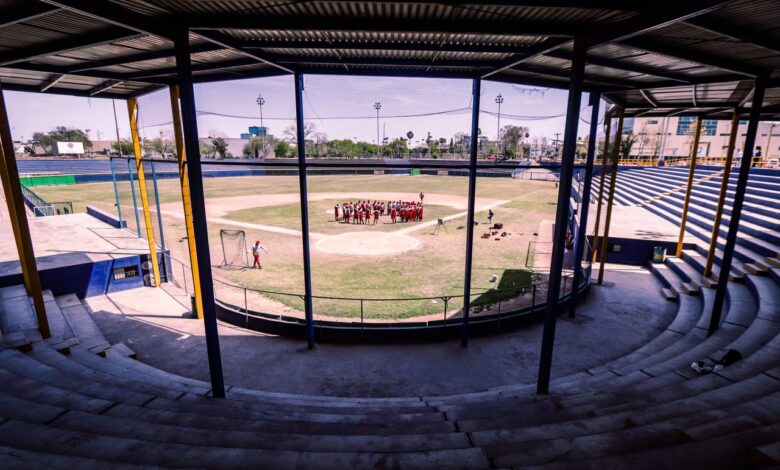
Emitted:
<point x="71" y="398"/>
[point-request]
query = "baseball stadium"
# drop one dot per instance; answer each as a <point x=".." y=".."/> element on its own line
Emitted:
<point x="331" y="234"/>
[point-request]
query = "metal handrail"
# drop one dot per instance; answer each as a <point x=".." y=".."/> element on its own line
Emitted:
<point x="521" y="291"/>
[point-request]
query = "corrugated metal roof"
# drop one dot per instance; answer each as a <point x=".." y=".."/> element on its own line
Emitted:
<point x="452" y="38"/>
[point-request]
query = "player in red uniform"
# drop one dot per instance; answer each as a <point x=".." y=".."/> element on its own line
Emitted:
<point x="376" y="215"/>
<point x="336" y="212"/>
<point x="393" y="214"/>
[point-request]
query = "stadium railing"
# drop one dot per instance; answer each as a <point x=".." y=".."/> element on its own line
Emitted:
<point x="363" y="312"/>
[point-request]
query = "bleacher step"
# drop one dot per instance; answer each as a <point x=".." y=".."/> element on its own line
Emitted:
<point x="669" y="293"/>
<point x="690" y="288"/>
<point x="82" y="324"/>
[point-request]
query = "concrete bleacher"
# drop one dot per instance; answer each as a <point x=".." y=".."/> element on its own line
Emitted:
<point x="77" y="400"/>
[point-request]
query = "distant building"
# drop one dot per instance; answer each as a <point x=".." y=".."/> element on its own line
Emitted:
<point x="673" y="136"/>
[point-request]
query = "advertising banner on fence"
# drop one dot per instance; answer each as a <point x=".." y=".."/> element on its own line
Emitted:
<point x="70" y="148"/>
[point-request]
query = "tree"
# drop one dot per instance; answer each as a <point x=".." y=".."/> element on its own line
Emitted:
<point x="511" y="138"/>
<point x="626" y="144"/>
<point x="220" y="146"/>
<point x="282" y="149"/>
<point x="410" y="135"/>
<point x="459" y="143"/>
<point x="159" y="146"/>
<point x="433" y="145"/>
<point x="60" y="134"/>
<point x="207" y="150"/>
<point x="259" y="147"/>
<point x="290" y="133"/>
<point x="397" y="148"/>
<point x="127" y="147"/>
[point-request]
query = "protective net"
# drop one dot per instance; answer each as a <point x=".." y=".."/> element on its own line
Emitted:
<point x="234" y="249"/>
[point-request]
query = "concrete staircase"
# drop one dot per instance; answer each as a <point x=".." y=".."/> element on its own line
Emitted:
<point x="90" y="404"/>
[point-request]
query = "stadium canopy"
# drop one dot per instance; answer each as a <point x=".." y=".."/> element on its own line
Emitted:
<point x="651" y="58"/>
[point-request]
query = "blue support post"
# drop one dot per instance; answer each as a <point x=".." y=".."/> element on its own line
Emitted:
<point x="736" y="207"/>
<point x="579" y="250"/>
<point x="116" y="190"/>
<point x="195" y="177"/>
<point x="475" y="93"/>
<point x="159" y="219"/>
<point x="301" y="142"/>
<point x="135" y="202"/>
<point x="562" y="212"/>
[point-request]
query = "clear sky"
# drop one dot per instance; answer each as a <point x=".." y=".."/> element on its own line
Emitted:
<point x="339" y="106"/>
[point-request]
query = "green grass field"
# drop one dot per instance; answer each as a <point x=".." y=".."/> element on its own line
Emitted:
<point x="434" y="269"/>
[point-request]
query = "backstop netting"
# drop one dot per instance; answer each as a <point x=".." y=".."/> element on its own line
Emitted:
<point x="234" y="248"/>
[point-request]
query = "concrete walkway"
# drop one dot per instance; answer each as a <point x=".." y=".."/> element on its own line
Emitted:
<point x="616" y="318"/>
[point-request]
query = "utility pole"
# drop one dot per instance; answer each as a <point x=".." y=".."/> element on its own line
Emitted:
<point x="499" y="100"/>
<point x="260" y="102"/>
<point x="116" y="125"/>
<point x="377" y="106"/>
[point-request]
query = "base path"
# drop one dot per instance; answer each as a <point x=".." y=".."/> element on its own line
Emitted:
<point x="350" y="243"/>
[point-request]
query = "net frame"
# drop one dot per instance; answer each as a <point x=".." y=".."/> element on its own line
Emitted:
<point x="239" y="235"/>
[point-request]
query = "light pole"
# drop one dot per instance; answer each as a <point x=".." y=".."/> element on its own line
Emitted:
<point x="260" y="102"/>
<point x="377" y="106"/>
<point x="499" y="100"/>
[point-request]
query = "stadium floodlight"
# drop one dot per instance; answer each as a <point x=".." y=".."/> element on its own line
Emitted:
<point x="377" y="106"/>
<point x="499" y="100"/>
<point x="260" y="102"/>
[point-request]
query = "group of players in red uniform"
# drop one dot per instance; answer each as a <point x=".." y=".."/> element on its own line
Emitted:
<point x="360" y="212"/>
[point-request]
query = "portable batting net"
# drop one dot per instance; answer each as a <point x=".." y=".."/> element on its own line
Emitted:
<point x="234" y="249"/>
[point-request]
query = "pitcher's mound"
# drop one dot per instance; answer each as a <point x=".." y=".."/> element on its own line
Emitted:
<point x="367" y="243"/>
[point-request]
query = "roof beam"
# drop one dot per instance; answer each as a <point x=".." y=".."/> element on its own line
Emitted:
<point x="648" y="98"/>
<point x="53" y="69"/>
<point x="204" y="67"/>
<point x="110" y="12"/>
<point x="228" y="42"/>
<point x="624" y="66"/>
<point x="108" y="84"/>
<point x="28" y="11"/>
<point x="674" y="51"/>
<point x="81" y="41"/>
<point x="738" y="33"/>
<point x="262" y="21"/>
<point x="517" y="59"/>
<point x="51" y="81"/>
<point x="654" y="20"/>
<point x="142" y="56"/>
<point x="335" y="43"/>
<point x="57" y="91"/>
<point x="590" y="4"/>
<point x="291" y="59"/>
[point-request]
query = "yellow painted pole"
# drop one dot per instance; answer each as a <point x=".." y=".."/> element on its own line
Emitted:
<point x="132" y="112"/>
<point x="12" y="188"/>
<point x="185" y="198"/>
<point x="689" y="188"/>
<point x="604" y="158"/>
<point x="724" y="186"/>
<point x="611" y="197"/>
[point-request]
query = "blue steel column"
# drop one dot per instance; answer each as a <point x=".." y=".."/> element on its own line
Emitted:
<point x="736" y="208"/>
<point x="562" y="212"/>
<point x="116" y="190"/>
<point x="475" y="92"/>
<point x="308" y="306"/>
<point x="595" y="101"/>
<point x="159" y="218"/>
<point x="135" y="202"/>
<point x="195" y="176"/>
